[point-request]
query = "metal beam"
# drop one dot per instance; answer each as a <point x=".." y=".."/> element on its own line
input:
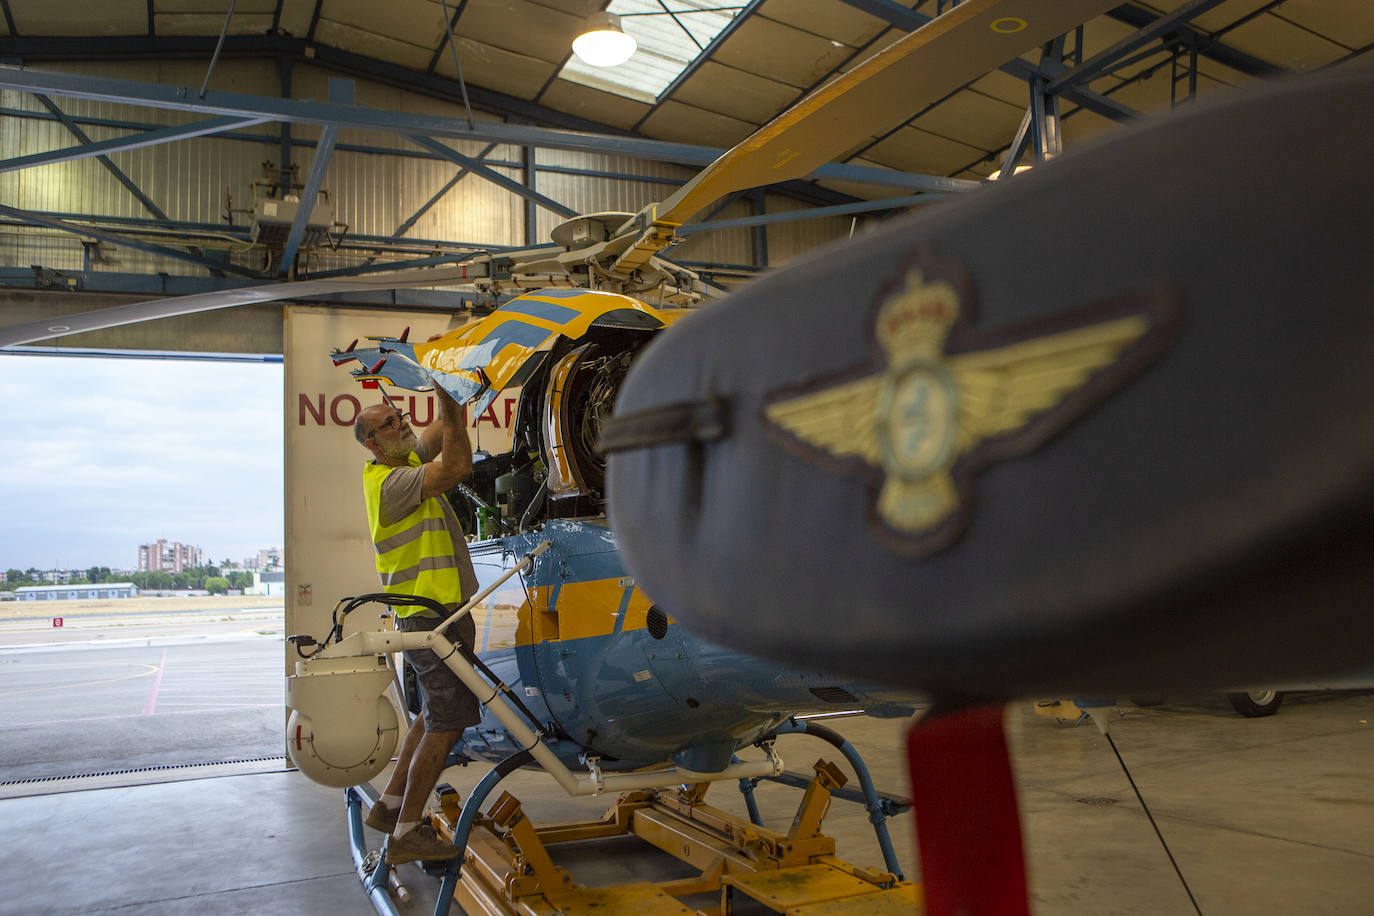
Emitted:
<point x="411" y="220"/>
<point x="258" y="108"/>
<point x="804" y="191"/>
<point x="1047" y="140"/>
<point x="759" y="231"/>
<point x="1217" y="51"/>
<point x="119" y="174"/>
<point x="302" y="51"/>
<point x="1018" y="145"/>
<point x="147" y="138"/>
<point x="1093" y="66"/>
<point x="530" y="176"/>
<point x="284" y="68"/>
<point x="495" y="177"/>
<point x="1081" y="96"/>
<point x="798" y="189"/>
<point x="116" y="171"/>
<point x="324" y="149"/>
<point x="359" y="242"/>
<point x="34" y="219"/>
<point x="340" y="93"/>
<point x="314" y="20"/>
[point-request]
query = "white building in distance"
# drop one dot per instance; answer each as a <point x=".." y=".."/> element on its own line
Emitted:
<point x="59" y="592"/>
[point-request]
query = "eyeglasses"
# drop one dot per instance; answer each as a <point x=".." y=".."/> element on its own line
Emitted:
<point x="392" y="422"/>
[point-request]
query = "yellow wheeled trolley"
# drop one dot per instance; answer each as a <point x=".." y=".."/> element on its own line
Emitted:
<point x="507" y="867"/>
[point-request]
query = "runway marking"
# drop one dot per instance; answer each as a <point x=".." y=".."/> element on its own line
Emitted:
<point x="46" y="722"/>
<point x="108" y="680"/>
<point x="224" y="705"/>
<point x="151" y="705"/>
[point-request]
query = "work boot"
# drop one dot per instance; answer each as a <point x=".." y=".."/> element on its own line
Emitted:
<point x="421" y="842"/>
<point x="382" y="818"/>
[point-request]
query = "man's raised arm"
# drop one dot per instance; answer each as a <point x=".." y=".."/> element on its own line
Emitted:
<point x="454" y="461"/>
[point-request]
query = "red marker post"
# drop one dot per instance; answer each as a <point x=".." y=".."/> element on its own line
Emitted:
<point x="57" y="621"/>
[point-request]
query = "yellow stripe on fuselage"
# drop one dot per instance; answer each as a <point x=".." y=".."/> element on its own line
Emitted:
<point x="583" y="609"/>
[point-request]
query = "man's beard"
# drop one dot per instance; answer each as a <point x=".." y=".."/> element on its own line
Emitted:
<point x="401" y="449"/>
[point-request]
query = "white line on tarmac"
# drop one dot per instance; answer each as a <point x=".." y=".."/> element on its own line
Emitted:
<point x="145" y="641"/>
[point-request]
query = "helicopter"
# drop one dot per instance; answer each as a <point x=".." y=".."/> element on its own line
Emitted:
<point x="612" y="674"/>
<point x="579" y="673"/>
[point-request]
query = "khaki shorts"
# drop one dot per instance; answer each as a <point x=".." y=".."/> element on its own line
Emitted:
<point x="446" y="703"/>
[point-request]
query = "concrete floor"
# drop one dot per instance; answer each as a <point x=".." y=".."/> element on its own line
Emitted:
<point x="1264" y="816"/>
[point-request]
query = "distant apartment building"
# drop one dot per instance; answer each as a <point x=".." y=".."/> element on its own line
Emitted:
<point x="57" y="576"/>
<point x="172" y="557"/>
<point x="266" y="559"/>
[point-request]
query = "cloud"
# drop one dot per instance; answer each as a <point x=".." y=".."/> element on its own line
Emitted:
<point x="107" y="454"/>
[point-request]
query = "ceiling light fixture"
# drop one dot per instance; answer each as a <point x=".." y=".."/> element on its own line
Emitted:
<point x="602" y="42"/>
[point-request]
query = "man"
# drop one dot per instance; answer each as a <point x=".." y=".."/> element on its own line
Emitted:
<point x="420" y="551"/>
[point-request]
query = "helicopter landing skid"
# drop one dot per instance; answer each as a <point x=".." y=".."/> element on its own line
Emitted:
<point x="508" y="866"/>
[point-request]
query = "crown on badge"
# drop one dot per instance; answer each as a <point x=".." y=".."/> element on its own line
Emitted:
<point x="917" y="319"/>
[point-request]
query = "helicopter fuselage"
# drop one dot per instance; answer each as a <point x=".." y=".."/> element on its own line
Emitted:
<point x="609" y="675"/>
<point x="602" y="671"/>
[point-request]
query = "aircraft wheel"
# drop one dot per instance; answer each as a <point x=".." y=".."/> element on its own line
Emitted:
<point x="1256" y="703"/>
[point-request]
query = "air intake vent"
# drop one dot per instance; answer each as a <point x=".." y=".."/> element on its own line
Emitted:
<point x="656" y="620"/>
<point x="834" y="695"/>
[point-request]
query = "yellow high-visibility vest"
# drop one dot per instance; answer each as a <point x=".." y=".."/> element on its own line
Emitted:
<point x="416" y="555"/>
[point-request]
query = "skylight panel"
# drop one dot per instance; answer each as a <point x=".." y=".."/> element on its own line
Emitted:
<point x="670" y="34"/>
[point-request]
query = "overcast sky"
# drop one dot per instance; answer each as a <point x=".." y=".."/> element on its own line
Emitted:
<point x="106" y="454"/>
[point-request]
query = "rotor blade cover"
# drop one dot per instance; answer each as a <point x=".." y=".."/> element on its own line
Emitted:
<point x="1106" y="427"/>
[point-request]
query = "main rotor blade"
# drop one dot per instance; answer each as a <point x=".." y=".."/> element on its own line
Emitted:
<point x="479" y="267"/>
<point x="879" y="94"/>
<point x="149" y="310"/>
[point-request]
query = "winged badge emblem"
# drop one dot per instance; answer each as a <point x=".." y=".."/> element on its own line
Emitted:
<point x="927" y="420"/>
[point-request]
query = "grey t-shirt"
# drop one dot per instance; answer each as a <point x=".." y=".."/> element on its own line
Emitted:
<point x="400" y="496"/>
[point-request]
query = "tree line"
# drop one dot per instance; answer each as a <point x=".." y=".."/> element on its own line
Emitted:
<point x="206" y="577"/>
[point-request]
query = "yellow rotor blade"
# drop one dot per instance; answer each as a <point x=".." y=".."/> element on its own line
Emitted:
<point x="889" y="88"/>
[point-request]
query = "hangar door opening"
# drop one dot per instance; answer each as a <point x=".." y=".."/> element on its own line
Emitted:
<point x="141" y="620"/>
